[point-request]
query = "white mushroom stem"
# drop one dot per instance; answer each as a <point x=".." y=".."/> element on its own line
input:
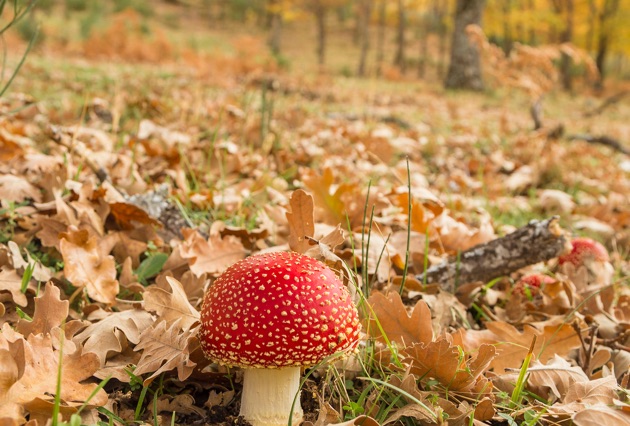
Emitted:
<point x="268" y="395"/>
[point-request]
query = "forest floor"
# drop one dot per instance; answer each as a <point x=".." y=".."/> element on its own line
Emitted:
<point x="106" y="157"/>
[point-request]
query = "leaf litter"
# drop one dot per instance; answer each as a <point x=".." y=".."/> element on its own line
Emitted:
<point x="324" y="184"/>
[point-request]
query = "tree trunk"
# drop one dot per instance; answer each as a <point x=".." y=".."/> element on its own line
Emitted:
<point x="609" y="9"/>
<point x="380" y="40"/>
<point x="365" y="11"/>
<point x="440" y="9"/>
<point x="464" y="71"/>
<point x="567" y="37"/>
<point x="320" y="17"/>
<point x="400" y="60"/>
<point x="275" y="34"/>
<point x="592" y="21"/>
<point x="506" y="9"/>
<point x="424" y="49"/>
<point x="532" y="25"/>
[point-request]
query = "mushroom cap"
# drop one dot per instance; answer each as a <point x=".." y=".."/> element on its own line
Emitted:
<point x="533" y="282"/>
<point x="277" y="310"/>
<point x="584" y="249"/>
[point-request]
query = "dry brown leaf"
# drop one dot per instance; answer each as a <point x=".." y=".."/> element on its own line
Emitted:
<point x="220" y="399"/>
<point x="183" y="403"/>
<point x="126" y="214"/>
<point x="51" y="229"/>
<point x="359" y="421"/>
<point x="50" y="312"/>
<point x="86" y="266"/>
<point x="484" y="410"/>
<point x="171" y="306"/>
<point x="301" y="221"/>
<point x="379" y="255"/>
<point x="409" y="384"/>
<point x="37" y="360"/>
<point x="18" y="189"/>
<point x="414" y="411"/>
<point x="330" y="206"/>
<point x="11" y="282"/>
<point x="211" y="256"/>
<point x="165" y="347"/>
<point x="557" y="377"/>
<point x="456" y="235"/>
<point x="126" y="247"/>
<point x="445" y="362"/>
<point x="555" y="201"/>
<point x="104" y="337"/>
<point x="11" y="413"/>
<point x="391" y="322"/>
<point x="40" y="272"/>
<point x="601" y="415"/>
<point x="333" y="238"/>
<point x="425" y="207"/>
<point x="513" y="345"/>
<point x="584" y="394"/>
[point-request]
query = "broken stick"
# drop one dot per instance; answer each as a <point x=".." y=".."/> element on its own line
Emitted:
<point x="535" y="242"/>
<point x="602" y="140"/>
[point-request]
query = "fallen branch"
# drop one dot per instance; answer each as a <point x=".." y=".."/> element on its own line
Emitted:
<point x="535" y="242"/>
<point x="602" y="140"/>
<point x="608" y="102"/>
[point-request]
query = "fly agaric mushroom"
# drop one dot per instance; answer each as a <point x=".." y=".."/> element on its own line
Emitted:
<point x="591" y="255"/>
<point x="529" y="285"/>
<point x="270" y="314"/>
<point x="584" y="250"/>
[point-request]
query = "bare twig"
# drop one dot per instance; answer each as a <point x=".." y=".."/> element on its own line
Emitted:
<point x="611" y="100"/>
<point x="535" y="242"/>
<point x="602" y="140"/>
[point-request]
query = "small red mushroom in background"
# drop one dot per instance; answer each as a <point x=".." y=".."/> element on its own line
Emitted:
<point x="271" y="314"/>
<point x="584" y="250"/>
<point x="529" y="285"/>
<point x="591" y="255"/>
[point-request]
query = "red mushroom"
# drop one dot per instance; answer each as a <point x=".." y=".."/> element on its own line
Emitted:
<point x="529" y="285"/>
<point x="584" y="250"/>
<point x="271" y="314"/>
<point x="590" y="255"/>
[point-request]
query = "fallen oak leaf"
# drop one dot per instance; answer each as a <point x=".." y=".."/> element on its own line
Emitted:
<point x="181" y="404"/>
<point x="40" y="272"/>
<point x="38" y="360"/>
<point x="50" y="312"/>
<point x="512" y="345"/>
<point x="125" y="214"/>
<point x="582" y="395"/>
<point x="211" y="256"/>
<point x="103" y="337"/>
<point x="171" y="306"/>
<point x="85" y="265"/>
<point x="602" y="415"/>
<point x="557" y="370"/>
<point x="390" y="321"/>
<point x="18" y="189"/>
<point x="11" y="282"/>
<point x="446" y="363"/>
<point x="425" y="207"/>
<point x="166" y="346"/>
<point x="330" y="206"/>
<point x="10" y="411"/>
<point x="301" y="221"/>
<point x="358" y="421"/>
